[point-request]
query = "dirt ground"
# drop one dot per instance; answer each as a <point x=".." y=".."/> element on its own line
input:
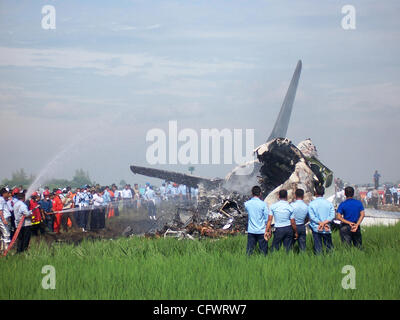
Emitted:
<point x="138" y="221"/>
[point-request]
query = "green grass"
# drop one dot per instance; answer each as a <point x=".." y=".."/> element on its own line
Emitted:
<point x="139" y="268"/>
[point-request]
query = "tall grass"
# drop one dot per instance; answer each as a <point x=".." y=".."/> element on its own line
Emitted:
<point x="139" y="268"/>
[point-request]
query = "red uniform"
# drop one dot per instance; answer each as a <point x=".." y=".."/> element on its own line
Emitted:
<point x="57" y="206"/>
<point x="36" y="216"/>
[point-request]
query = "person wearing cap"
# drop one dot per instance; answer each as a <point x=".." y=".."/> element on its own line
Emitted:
<point x="4" y="219"/>
<point x="46" y="208"/>
<point x="150" y="197"/>
<point x="84" y="204"/>
<point x="36" y="218"/>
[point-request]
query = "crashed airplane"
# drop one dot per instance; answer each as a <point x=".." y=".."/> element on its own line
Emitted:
<point x="278" y="163"/>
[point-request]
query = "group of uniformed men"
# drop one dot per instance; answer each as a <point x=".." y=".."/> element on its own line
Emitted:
<point x="290" y="221"/>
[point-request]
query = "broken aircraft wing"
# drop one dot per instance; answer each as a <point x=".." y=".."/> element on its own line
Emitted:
<point x="181" y="178"/>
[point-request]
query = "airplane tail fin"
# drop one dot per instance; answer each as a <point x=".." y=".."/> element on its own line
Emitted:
<point x="282" y="122"/>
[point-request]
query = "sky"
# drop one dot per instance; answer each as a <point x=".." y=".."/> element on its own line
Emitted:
<point x="85" y="94"/>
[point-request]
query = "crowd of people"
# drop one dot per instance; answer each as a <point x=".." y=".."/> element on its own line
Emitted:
<point x="87" y="208"/>
<point x="290" y="221"/>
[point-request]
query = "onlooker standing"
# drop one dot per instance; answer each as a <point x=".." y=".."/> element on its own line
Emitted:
<point x="388" y="196"/>
<point x="321" y="213"/>
<point x="127" y="197"/>
<point x="257" y="219"/>
<point x="300" y="211"/>
<point x="97" y="216"/>
<point x="150" y="197"/>
<point x="136" y="197"/>
<point x="351" y="214"/>
<point x="24" y="236"/>
<point x="376" y="179"/>
<point x="375" y="198"/>
<point x="117" y="197"/>
<point x="285" y="225"/>
<point x="5" y="216"/>
<point x="393" y="190"/>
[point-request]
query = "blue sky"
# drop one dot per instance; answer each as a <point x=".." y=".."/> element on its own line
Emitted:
<point x="112" y="70"/>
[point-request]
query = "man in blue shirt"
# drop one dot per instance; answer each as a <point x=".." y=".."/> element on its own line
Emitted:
<point x="300" y="211"/>
<point x="258" y="216"/>
<point x="285" y="225"/>
<point x="351" y="214"/>
<point x="150" y="197"/>
<point x="321" y="213"/>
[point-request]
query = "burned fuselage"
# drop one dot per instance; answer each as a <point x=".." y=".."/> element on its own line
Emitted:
<point x="281" y="165"/>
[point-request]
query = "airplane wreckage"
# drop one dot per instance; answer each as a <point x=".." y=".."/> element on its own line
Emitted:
<point x="278" y="164"/>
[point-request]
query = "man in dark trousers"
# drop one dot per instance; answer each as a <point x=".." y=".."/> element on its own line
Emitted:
<point x="376" y="179"/>
<point x="21" y="209"/>
<point x="321" y="214"/>
<point x="351" y="214"/>
<point x="285" y="226"/>
<point x="300" y="211"/>
<point x="257" y="219"/>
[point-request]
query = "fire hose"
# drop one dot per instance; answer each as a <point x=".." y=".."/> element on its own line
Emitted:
<point x="20" y="224"/>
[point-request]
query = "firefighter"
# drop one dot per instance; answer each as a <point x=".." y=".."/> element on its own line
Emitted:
<point x="57" y="206"/>
<point x="37" y="218"/>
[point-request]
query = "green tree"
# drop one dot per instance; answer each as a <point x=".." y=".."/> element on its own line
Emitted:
<point x="18" y="178"/>
<point x="80" y="178"/>
<point x="122" y="183"/>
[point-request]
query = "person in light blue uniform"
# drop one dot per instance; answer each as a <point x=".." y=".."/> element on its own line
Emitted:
<point x="150" y="197"/>
<point x="285" y="227"/>
<point x="257" y="219"/>
<point x="300" y="211"/>
<point x="321" y="213"/>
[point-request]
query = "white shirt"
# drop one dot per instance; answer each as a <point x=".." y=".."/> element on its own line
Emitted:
<point x="97" y="200"/>
<point x="150" y="195"/>
<point x="117" y="194"/>
<point x="182" y="189"/>
<point x="20" y="208"/>
<point x="4" y="208"/>
<point x="127" y="194"/>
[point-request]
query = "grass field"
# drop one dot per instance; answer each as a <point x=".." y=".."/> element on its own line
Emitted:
<point x="139" y="268"/>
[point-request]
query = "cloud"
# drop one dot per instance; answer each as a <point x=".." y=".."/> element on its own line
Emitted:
<point x="119" y="27"/>
<point x="150" y="67"/>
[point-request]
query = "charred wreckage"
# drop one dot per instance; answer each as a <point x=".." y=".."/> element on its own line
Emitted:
<point x="278" y="164"/>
